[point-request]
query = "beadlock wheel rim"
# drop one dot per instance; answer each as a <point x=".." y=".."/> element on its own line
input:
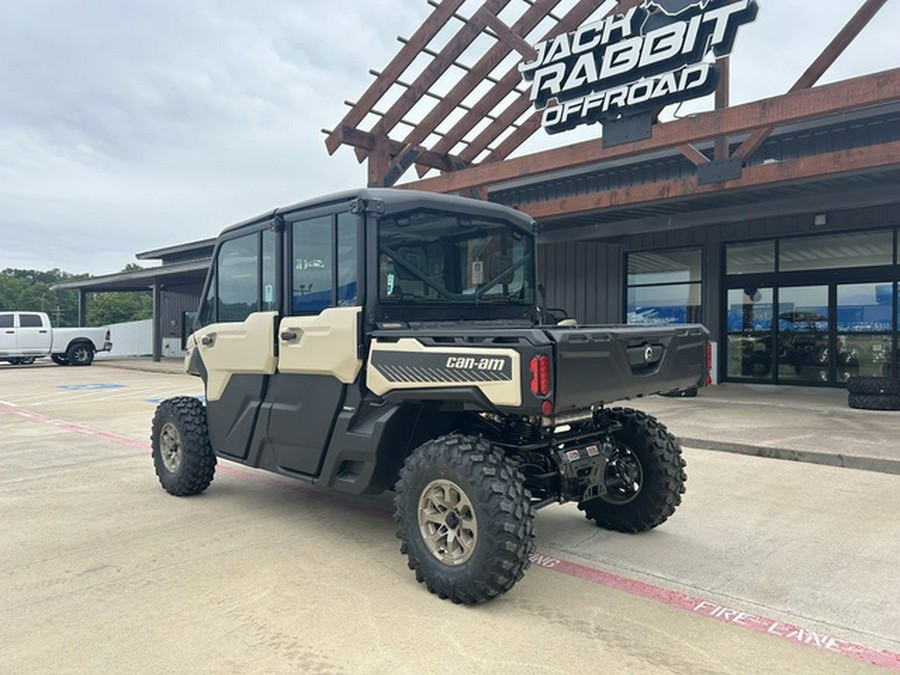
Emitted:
<point x="447" y="522"/>
<point x="170" y="447"/>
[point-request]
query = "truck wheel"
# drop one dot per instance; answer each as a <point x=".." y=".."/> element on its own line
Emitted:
<point x="59" y="359"/>
<point x="182" y="456"/>
<point x="80" y="354"/>
<point x="464" y="519"/>
<point x="644" y="478"/>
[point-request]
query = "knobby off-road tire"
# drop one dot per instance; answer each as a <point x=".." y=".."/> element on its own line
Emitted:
<point x="464" y="519"/>
<point x="182" y="456"/>
<point x="873" y="402"/>
<point x="644" y="478"/>
<point x="873" y="386"/>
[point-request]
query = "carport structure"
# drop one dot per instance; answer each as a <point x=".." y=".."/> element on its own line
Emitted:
<point x="176" y="285"/>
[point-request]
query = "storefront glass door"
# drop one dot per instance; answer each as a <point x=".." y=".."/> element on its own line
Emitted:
<point x="804" y="327"/>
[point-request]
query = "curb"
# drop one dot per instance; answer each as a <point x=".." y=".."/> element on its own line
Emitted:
<point x="877" y="464"/>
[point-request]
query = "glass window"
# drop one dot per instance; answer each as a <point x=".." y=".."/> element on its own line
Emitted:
<point x="857" y="249"/>
<point x="238" y="272"/>
<point x="863" y="355"/>
<point x="803" y="324"/>
<point x="664" y="286"/>
<point x="208" y="309"/>
<point x="347" y="292"/>
<point x="6" y="320"/>
<point x="749" y="343"/>
<point x="270" y="294"/>
<point x="677" y="303"/>
<point x="445" y="257"/>
<point x="753" y="258"/>
<point x="664" y="267"/>
<point x="866" y="308"/>
<point x="749" y="309"/>
<point x="30" y="321"/>
<point x="312" y="265"/>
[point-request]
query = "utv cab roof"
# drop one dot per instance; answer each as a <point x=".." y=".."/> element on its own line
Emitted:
<point x="398" y="201"/>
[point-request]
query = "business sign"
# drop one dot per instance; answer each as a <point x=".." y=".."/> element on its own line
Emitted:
<point x="655" y="54"/>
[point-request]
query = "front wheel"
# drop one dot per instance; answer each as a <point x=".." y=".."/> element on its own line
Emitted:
<point x="644" y="478"/>
<point x="464" y="519"/>
<point x="182" y="455"/>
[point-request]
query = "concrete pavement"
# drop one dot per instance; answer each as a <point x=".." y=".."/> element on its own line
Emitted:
<point x="767" y="566"/>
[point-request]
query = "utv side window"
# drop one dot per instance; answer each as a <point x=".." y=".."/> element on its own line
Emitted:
<point x="348" y="288"/>
<point x="238" y="278"/>
<point x="312" y="267"/>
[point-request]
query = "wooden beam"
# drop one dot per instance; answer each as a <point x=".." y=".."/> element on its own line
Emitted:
<point x="831" y="53"/>
<point x="855" y="93"/>
<point x="407" y="54"/>
<point x="493" y="58"/>
<point x="722" y="101"/>
<point x="693" y="154"/>
<point x="364" y="142"/>
<point x="575" y="17"/>
<point x="438" y="66"/>
<point x="870" y="158"/>
<point x="509" y="36"/>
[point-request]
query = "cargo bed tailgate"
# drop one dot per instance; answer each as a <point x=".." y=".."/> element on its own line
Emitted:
<point x="602" y="364"/>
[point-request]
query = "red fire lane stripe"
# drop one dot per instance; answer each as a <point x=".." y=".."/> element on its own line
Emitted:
<point x="688" y="603"/>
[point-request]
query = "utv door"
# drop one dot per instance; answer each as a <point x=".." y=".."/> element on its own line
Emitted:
<point x="318" y="342"/>
<point x="235" y="351"/>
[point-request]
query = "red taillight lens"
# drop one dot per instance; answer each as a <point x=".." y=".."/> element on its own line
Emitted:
<point x="540" y="375"/>
<point x="708" y="363"/>
<point x="544" y="374"/>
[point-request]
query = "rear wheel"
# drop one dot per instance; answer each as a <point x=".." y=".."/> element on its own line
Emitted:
<point x="644" y="478"/>
<point x="80" y="354"/>
<point x="182" y="456"/>
<point x="464" y="519"/>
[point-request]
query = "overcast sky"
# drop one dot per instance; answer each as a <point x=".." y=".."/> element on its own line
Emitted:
<point x="129" y="125"/>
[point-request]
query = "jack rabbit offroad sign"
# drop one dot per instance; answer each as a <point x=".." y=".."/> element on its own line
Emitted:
<point x="649" y="57"/>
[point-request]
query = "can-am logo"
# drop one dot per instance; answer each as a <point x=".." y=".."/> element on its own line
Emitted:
<point x="652" y="56"/>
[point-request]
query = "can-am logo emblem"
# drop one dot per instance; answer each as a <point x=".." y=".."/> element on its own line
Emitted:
<point x="653" y="55"/>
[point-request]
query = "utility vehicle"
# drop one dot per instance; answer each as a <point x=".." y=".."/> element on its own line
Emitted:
<point x="392" y="340"/>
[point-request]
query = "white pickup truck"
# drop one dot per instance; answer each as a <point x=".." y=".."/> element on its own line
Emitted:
<point x="26" y="336"/>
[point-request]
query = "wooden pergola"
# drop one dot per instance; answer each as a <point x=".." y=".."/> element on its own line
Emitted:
<point x="467" y="130"/>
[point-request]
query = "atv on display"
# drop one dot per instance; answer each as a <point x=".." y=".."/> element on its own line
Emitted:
<point x="391" y="340"/>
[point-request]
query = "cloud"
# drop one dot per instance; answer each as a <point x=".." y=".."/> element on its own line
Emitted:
<point x="129" y="125"/>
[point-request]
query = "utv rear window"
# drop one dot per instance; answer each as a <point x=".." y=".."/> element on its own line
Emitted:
<point x="443" y="257"/>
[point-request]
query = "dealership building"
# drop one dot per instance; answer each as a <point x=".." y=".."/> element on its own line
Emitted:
<point x="774" y="223"/>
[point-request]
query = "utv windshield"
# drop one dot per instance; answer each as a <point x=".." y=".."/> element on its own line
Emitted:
<point x="441" y="257"/>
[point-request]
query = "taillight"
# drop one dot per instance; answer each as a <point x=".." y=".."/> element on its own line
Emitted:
<point x="540" y="375"/>
<point x="708" y="363"/>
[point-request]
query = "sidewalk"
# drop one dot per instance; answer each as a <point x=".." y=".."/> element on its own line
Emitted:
<point x="804" y="424"/>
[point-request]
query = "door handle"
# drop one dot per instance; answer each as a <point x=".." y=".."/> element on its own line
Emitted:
<point x="288" y="335"/>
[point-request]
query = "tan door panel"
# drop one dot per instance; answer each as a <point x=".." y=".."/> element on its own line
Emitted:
<point x="325" y="344"/>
